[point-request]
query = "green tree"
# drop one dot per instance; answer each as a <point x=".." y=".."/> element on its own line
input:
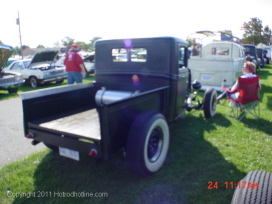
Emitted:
<point x="89" y="47"/>
<point x="91" y="44"/>
<point x="40" y="46"/>
<point x="266" y="35"/>
<point x="82" y="45"/>
<point x="254" y="32"/>
<point x="67" y="42"/>
<point x="16" y="50"/>
<point x="22" y="48"/>
<point x="85" y="47"/>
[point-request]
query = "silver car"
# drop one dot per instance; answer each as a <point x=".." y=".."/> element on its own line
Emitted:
<point x="88" y="63"/>
<point x="40" y="69"/>
<point x="9" y="80"/>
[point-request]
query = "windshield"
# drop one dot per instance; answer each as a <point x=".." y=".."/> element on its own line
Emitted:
<point x="26" y="63"/>
<point x="250" y="50"/>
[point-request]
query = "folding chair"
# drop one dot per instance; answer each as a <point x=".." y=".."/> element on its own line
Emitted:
<point x="248" y="100"/>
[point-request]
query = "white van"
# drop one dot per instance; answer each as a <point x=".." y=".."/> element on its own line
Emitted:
<point x="218" y="65"/>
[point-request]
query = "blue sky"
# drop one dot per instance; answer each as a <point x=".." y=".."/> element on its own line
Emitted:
<point x="48" y="22"/>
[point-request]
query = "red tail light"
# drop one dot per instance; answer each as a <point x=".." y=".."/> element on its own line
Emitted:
<point x="93" y="153"/>
<point x="30" y="135"/>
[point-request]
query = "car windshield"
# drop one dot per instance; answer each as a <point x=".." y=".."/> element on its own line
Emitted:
<point x="250" y="51"/>
<point x="26" y="63"/>
<point x="259" y="53"/>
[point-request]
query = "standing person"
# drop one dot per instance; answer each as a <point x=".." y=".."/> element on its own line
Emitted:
<point x="195" y="51"/>
<point x="74" y="65"/>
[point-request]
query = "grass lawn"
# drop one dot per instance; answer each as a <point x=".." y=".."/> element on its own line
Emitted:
<point x="220" y="149"/>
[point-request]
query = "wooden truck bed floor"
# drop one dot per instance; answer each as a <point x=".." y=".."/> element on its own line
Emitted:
<point x="85" y="124"/>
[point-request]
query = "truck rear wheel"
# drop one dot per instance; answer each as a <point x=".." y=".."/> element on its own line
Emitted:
<point x="209" y="102"/>
<point x="147" y="143"/>
<point x="256" y="187"/>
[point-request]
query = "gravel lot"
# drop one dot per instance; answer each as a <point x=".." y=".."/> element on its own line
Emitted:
<point x="14" y="146"/>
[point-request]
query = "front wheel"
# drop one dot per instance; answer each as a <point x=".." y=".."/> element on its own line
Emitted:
<point x="59" y="82"/>
<point x="209" y="102"/>
<point x="13" y="90"/>
<point x="147" y="143"/>
<point x="33" y="82"/>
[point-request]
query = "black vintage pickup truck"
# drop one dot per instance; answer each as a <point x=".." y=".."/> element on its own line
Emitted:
<point x="141" y="86"/>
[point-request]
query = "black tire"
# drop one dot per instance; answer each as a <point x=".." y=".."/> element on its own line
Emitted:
<point x="59" y="82"/>
<point x="257" y="188"/>
<point x="147" y="143"/>
<point x="13" y="90"/>
<point x="209" y="102"/>
<point x="33" y="82"/>
<point x="52" y="147"/>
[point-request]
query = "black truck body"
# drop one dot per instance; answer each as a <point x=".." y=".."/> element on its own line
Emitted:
<point x="129" y="106"/>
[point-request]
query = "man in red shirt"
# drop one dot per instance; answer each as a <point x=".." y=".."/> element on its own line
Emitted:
<point x="74" y="65"/>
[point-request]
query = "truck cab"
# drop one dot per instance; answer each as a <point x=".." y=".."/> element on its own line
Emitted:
<point x="164" y="63"/>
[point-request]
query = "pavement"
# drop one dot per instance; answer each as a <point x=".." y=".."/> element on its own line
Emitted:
<point x="13" y="145"/>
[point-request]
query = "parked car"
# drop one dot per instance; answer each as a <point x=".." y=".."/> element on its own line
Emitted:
<point x="10" y="60"/>
<point x="265" y="56"/>
<point x="260" y="54"/>
<point x="267" y="52"/>
<point x="40" y="69"/>
<point x="88" y="62"/>
<point x="9" y="81"/>
<point x="218" y="65"/>
<point x="251" y="55"/>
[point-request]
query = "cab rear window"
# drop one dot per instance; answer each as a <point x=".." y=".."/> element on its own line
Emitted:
<point x="129" y="55"/>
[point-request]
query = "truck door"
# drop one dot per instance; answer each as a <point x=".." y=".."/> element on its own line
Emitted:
<point x="182" y="79"/>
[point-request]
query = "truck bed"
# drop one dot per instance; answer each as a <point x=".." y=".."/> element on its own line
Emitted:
<point x="85" y="123"/>
<point x="69" y="117"/>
